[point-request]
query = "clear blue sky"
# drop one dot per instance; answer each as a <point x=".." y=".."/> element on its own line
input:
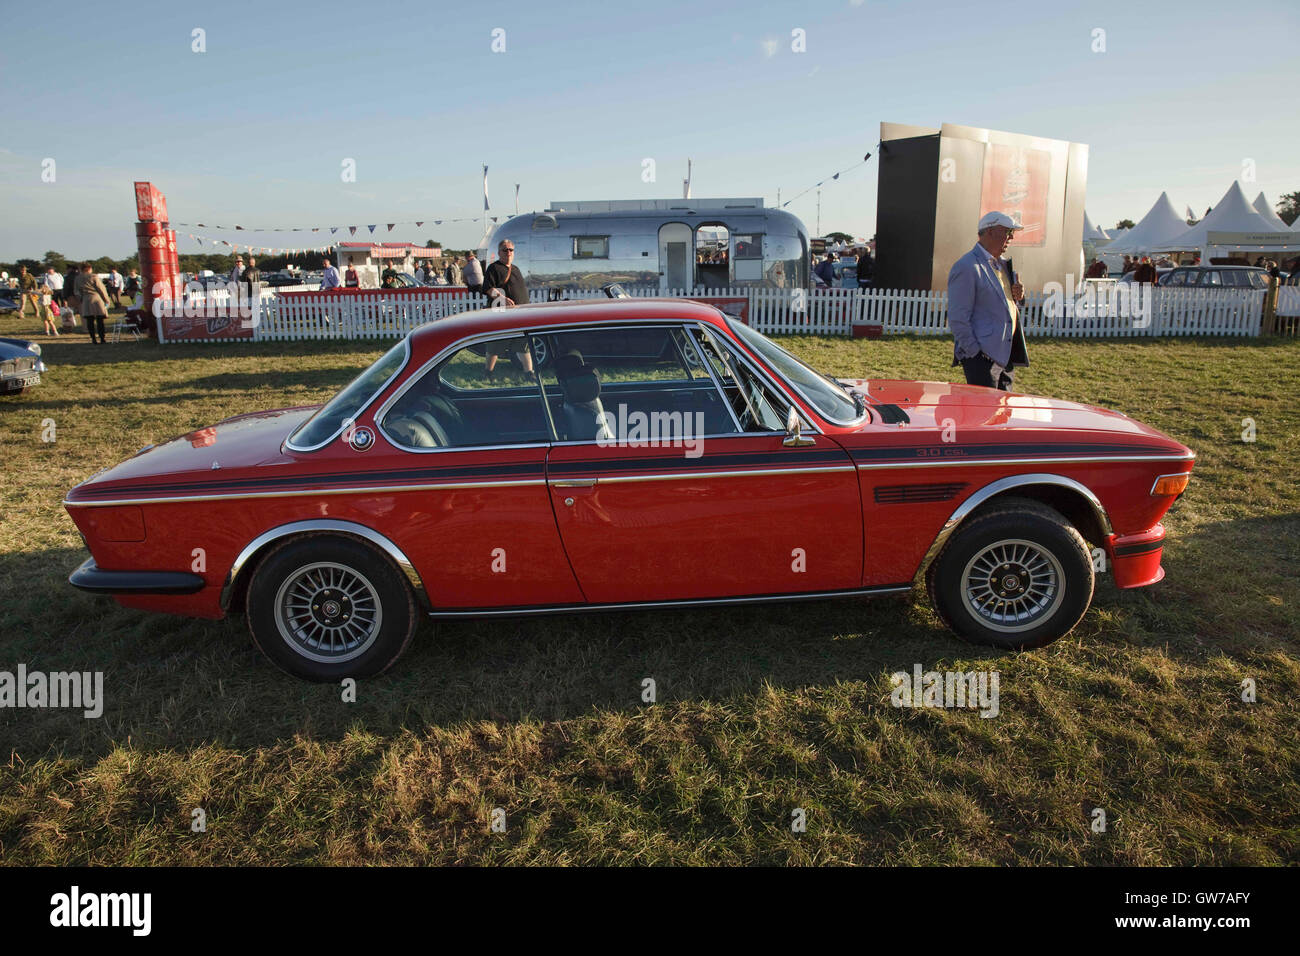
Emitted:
<point x="255" y="129"/>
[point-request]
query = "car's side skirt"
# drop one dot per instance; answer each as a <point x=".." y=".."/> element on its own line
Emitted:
<point x="880" y="591"/>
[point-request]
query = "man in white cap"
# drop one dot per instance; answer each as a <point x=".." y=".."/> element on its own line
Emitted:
<point x="984" y="308"/>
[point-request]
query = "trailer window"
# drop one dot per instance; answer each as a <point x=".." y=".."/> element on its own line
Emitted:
<point x="591" y="247"/>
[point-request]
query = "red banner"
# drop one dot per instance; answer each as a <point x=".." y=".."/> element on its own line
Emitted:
<point x="1016" y="182"/>
<point x="735" y="306"/>
<point x="150" y="204"/>
<point x="178" y="327"/>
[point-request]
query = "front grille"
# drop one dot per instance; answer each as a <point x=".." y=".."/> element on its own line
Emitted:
<point x="913" y="494"/>
<point x="8" y="368"/>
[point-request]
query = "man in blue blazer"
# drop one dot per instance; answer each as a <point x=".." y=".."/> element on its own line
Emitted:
<point x="984" y="308"/>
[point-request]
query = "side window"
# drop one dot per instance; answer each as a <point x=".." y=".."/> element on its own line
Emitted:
<point x="482" y="395"/>
<point x="629" y="384"/>
<point x="757" y="408"/>
<point x="1177" y="277"/>
<point x="1211" y="277"/>
<point x="591" y="247"/>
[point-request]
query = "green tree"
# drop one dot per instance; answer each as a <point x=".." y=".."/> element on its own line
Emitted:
<point x="1124" y="224"/>
<point x="56" y="259"/>
<point x="1288" y="208"/>
<point x="839" y="237"/>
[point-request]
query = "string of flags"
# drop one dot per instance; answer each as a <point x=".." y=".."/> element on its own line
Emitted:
<point x="352" y="230"/>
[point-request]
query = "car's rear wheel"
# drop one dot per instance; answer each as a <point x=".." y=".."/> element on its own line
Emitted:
<point x="1017" y="575"/>
<point x="323" y="608"/>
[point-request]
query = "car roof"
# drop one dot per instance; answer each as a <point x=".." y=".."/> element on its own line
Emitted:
<point x="438" y="334"/>
<point x="1203" y="268"/>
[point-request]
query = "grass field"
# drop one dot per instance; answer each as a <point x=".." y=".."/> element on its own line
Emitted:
<point x="760" y="710"/>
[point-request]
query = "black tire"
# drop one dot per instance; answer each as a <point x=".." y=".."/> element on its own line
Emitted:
<point x="318" y="588"/>
<point x="1027" y="566"/>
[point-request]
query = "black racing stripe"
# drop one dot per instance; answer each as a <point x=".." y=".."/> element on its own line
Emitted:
<point x="1131" y="550"/>
<point x="396" y="476"/>
<point x="703" y="463"/>
<point x="948" y="452"/>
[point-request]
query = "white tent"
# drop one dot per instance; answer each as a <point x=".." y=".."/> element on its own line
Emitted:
<point x="1232" y="213"/>
<point x="1090" y="231"/>
<point x="1161" y="223"/>
<point x="1264" y="209"/>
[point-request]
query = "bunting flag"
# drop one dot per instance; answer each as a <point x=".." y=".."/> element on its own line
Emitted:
<point x="333" y="229"/>
<point x="391" y="225"/>
<point x="240" y="228"/>
<point x="420" y="223"/>
<point x="352" y="230"/>
<point x="372" y="229"/>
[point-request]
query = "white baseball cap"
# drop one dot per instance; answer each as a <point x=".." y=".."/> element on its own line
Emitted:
<point x="996" y="218"/>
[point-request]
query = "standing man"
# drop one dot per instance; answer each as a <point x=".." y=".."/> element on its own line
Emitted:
<point x="237" y="273"/>
<point x="27" y="285"/>
<point x="503" y="284"/>
<point x="988" y="339"/>
<point x="54" y="282"/>
<point x="388" y="278"/>
<point x="473" y="274"/>
<point x="453" y="271"/>
<point x="115" y="286"/>
<point x="251" y="277"/>
<point x="329" y="276"/>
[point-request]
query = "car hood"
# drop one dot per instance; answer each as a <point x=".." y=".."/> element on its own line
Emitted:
<point x="938" y="405"/>
<point x="246" y="441"/>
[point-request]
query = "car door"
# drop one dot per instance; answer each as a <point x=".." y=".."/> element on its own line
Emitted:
<point x="709" y="502"/>
<point x="485" y="529"/>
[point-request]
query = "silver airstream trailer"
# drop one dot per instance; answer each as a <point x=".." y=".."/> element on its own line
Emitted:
<point x="664" y="244"/>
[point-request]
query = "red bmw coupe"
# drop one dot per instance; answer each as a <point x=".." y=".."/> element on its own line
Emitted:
<point x="630" y="453"/>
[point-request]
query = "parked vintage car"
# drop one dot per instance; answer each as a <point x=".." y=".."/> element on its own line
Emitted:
<point x="20" y="365"/>
<point x="715" y="469"/>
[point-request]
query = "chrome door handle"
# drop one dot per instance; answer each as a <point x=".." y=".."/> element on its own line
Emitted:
<point x="575" y="483"/>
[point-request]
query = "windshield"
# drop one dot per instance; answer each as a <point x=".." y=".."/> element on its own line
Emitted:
<point x="824" y="394"/>
<point x="330" y="420"/>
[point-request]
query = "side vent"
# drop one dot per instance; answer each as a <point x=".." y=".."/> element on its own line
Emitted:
<point x="916" y="494"/>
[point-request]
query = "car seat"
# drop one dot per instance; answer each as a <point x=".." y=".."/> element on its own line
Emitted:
<point x="582" y="411"/>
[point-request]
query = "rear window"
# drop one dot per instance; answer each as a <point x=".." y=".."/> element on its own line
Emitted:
<point x="347" y="404"/>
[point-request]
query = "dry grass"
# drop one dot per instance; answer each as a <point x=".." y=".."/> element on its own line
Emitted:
<point x="761" y="710"/>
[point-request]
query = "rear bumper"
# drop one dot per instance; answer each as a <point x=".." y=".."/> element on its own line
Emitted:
<point x="1135" y="558"/>
<point x="90" y="578"/>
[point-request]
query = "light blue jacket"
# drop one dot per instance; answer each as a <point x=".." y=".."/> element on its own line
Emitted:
<point x="977" y="310"/>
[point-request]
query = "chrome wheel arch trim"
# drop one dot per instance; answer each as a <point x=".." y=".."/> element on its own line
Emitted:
<point x="995" y="488"/>
<point x="316" y="526"/>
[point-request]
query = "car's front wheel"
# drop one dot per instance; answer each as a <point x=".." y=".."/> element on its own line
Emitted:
<point x="1017" y="575"/>
<point x="323" y="608"/>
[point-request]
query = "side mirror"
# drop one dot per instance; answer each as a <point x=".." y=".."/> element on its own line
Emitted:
<point x="793" y="431"/>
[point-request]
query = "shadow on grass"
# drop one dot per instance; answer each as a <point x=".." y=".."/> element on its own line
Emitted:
<point x="175" y="682"/>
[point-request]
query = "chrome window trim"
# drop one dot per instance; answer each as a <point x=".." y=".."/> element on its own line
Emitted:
<point x="406" y="358"/>
<point x="766" y="376"/>
<point x="475" y="339"/>
<point x="997" y="487"/>
<point x="318" y="525"/>
<point x="859" y="420"/>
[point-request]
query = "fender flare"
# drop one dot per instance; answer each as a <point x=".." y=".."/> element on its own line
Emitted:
<point x="995" y="488"/>
<point x="316" y="526"/>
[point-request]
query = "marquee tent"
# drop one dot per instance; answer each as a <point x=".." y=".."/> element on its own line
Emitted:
<point x="1160" y="224"/>
<point x="1091" y="232"/>
<point x="1264" y="209"/>
<point x="1232" y="213"/>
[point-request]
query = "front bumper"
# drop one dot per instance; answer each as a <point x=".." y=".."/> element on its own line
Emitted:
<point x="90" y="578"/>
<point x="1135" y="558"/>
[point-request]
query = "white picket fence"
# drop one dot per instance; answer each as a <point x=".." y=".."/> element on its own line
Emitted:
<point x="1163" y="311"/>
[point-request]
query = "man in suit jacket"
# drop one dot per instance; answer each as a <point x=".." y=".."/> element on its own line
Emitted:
<point x="984" y="308"/>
